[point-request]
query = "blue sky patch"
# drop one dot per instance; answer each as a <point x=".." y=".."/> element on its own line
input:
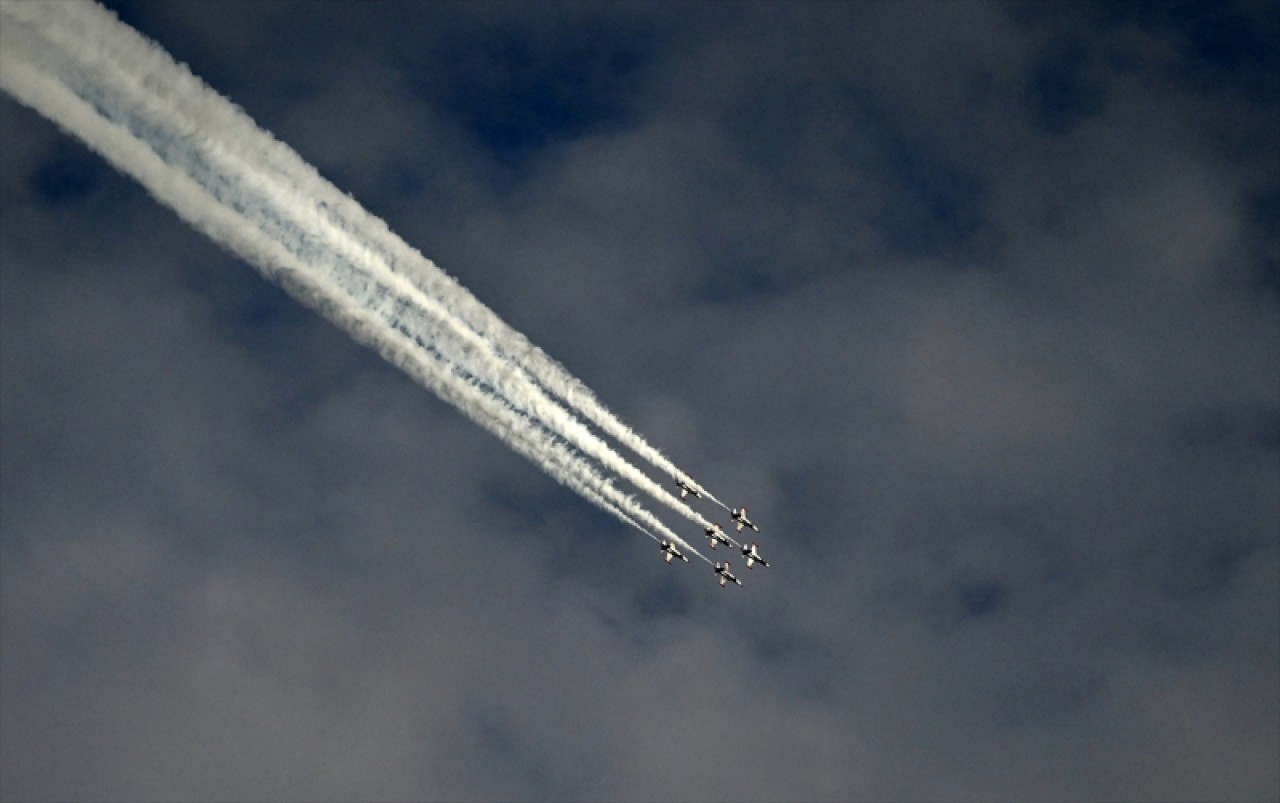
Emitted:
<point x="71" y="174"/>
<point x="516" y="95"/>
<point x="982" y="598"/>
<point x="1061" y="92"/>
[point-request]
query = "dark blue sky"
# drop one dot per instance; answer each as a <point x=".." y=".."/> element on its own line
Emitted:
<point x="976" y="305"/>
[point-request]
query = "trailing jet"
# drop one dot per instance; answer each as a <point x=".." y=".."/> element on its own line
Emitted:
<point x="740" y="516"/>
<point x="716" y="535"/>
<point x="670" y="552"/>
<point x="687" y="487"/>
<point x="752" y="555"/>
<point x="726" y="576"/>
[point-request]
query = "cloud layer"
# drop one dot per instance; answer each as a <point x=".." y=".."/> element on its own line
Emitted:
<point x="976" y="306"/>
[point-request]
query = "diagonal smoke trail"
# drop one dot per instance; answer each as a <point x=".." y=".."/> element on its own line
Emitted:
<point x="34" y="75"/>
<point x="161" y="93"/>
<point x="155" y="74"/>
<point x="405" y="318"/>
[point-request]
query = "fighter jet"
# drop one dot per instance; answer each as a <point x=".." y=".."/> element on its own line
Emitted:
<point x="716" y="535"/>
<point x="670" y="552"/>
<point x="687" y="487"/>
<point x="726" y="576"/>
<point x="752" y="555"/>
<point x="740" y="516"/>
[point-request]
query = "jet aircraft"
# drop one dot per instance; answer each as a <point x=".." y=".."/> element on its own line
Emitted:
<point x="687" y="487"/>
<point x="716" y="535"/>
<point x="752" y="554"/>
<point x="726" y="576"/>
<point x="670" y="552"/>
<point x="739" y="515"/>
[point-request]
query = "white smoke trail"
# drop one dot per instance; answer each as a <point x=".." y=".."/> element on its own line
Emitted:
<point x="34" y="75"/>
<point x="158" y="75"/>
<point x="405" y="317"/>
<point x="163" y="93"/>
<point x="154" y="85"/>
<point x="726" y="508"/>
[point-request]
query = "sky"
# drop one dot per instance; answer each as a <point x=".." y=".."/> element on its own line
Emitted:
<point x="977" y="306"/>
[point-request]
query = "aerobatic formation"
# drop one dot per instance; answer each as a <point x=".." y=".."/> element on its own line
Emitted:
<point x="196" y="152"/>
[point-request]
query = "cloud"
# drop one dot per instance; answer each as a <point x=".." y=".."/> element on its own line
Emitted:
<point x="1015" y="467"/>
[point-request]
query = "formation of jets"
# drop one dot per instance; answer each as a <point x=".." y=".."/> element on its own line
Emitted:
<point x="716" y="535"/>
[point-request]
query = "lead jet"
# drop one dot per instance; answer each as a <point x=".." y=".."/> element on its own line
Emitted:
<point x="687" y="487"/>
<point x="726" y="576"/>
<point x="716" y="536"/>
<point x="670" y="552"/>
<point x="739" y="515"/>
<point x="752" y="554"/>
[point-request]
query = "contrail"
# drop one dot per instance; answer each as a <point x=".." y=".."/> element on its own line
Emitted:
<point x="165" y="93"/>
<point x="155" y="73"/>
<point x="38" y="78"/>
<point x="404" y="317"/>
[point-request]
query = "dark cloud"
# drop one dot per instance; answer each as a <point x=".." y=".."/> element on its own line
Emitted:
<point x="975" y="305"/>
